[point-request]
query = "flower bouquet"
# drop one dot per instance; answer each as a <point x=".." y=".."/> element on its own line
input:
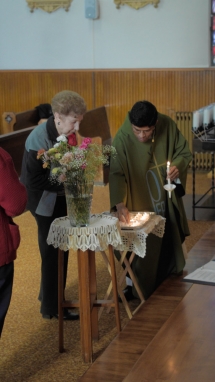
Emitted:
<point x="76" y="167"/>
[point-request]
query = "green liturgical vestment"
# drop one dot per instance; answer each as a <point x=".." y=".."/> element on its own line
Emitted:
<point x="137" y="176"/>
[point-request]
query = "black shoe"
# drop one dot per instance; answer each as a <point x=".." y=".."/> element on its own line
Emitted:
<point x="128" y="294"/>
<point x="69" y="316"/>
<point x="47" y="316"/>
<point x="177" y="273"/>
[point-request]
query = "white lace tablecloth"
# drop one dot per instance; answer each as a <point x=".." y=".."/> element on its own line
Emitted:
<point x="135" y="240"/>
<point x="102" y="231"/>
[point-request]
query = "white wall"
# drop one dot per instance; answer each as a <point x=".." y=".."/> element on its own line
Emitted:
<point x="174" y="35"/>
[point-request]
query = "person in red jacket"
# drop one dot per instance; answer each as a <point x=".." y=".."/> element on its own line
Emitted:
<point x="13" y="199"/>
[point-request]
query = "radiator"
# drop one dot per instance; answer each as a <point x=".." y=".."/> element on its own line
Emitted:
<point x="184" y="119"/>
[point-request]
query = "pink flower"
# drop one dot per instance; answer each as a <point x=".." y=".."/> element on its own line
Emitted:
<point x="86" y="142"/>
<point x="62" y="178"/>
<point x="67" y="158"/>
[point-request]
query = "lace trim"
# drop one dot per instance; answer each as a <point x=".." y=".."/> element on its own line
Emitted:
<point x="104" y="230"/>
<point x="135" y="240"/>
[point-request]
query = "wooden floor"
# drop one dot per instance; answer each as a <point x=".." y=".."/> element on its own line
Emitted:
<point x="123" y="358"/>
<point x="184" y="348"/>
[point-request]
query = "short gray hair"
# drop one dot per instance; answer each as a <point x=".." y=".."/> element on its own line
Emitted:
<point x="68" y="101"/>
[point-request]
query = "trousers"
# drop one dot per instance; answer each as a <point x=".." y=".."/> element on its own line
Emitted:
<point x="6" y="285"/>
<point x="48" y="294"/>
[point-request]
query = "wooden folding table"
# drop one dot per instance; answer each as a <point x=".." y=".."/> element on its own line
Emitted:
<point x="103" y="233"/>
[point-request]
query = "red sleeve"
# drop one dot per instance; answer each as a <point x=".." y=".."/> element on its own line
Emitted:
<point x="13" y="195"/>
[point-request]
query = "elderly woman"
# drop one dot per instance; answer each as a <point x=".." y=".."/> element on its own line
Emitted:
<point x="46" y="200"/>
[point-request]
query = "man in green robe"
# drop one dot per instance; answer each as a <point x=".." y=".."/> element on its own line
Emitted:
<point x="145" y="142"/>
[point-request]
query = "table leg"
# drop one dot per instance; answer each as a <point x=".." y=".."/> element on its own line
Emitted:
<point x="60" y="297"/>
<point x="127" y="269"/>
<point x="93" y="296"/>
<point x="85" y="304"/>
<point x="133" y="278"/>
<point x="120" y="291"/>
<point x="114" y="283"/>
<point x="88" y="304"/>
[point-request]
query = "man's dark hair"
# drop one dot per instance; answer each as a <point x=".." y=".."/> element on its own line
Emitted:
<point x="44" y="110"/>
<point x="143" y="113"/>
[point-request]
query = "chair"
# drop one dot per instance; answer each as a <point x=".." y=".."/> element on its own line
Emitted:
<point x="95" y="125"/>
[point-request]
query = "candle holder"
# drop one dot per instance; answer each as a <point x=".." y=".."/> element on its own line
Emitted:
<point x="169" y="187"/>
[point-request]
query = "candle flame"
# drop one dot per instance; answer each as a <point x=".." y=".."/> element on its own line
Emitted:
<point x="136" y="219"/>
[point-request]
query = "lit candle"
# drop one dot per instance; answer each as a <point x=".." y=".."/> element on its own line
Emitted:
<point x="168" y="180"/>
<point x="167" y="171"/>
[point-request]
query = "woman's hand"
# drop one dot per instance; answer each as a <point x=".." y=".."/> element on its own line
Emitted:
<point x="173" y="173"/>
<point x="122" y="213"/>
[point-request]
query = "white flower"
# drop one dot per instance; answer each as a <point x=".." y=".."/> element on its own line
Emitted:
<point x="62" y="138"/>
<point x="75" y="163"/>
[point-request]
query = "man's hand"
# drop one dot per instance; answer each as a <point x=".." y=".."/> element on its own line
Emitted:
<point x="173" y="173"/>
<point x="122" y="213"/>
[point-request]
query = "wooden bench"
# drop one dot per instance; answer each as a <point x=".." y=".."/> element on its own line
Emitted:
<point x="14" y="144"/>
<point x="16" y="121"/>
<point x="94" y="125"/>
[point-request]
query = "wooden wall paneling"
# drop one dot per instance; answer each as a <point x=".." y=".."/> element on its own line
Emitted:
<point x="23" y="90"/>
<point x="170" y="90"/>
<point x="196" y="90"/>
<point x="113" y="89"/>
<point x="209" y="84"/>
<point x="192" y="89"/>
<point x="79" y="81"/>
<point x="119" y="90"/>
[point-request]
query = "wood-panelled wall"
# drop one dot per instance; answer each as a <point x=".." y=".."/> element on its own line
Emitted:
<point x="170" y="90"/>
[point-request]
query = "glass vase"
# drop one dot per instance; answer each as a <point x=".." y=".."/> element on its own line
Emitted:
<point x="79" y="200"/>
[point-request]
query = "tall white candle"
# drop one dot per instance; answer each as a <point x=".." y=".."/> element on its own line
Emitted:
<point x="196" y="120"/>
<point x="168" y="180"/>
<point x="201" y="112"/>
<point x="206" y="116"/>
<point x="214" y="114"/>
<point x="167" y="171"/>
